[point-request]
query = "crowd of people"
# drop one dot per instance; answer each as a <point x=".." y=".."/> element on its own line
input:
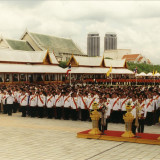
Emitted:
<point x="75" y="102"/>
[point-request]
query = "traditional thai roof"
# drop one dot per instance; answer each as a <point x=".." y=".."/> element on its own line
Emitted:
<point x="117" y="63"/>
<point x="53" y="43"/>
<point x="86" y="61"/>
<point x="131" y="57"/>
<point x="17" y="56"/>
<point x="19" y="45"/>
<point x="24" y="68"/>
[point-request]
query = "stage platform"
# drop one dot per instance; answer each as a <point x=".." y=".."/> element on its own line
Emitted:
<point x="145" y="138"/>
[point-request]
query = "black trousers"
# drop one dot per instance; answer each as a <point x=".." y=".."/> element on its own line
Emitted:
<point x="133" y="127"/>
<point x="33" y="111"/>
<point x="23" y="109"/>
<point x="74" y="114"/>
<point x="58" y="112"/>
<point x="15" y="107"/>
<point x="40" y="112"/>
<point x="149" y="118"/>
<point x="141" y="125"/>
<point x="103" y="127"/>
<point x="9" y="109"/>
<point x="84" y="114"/>
<point x="122" y="114"/>
<point x="5" y="109"/>
<point x="157" y="115"/>
<point x="115" y="116"/>
<point x="67" y="113"/>
<point x="50" y="112"/>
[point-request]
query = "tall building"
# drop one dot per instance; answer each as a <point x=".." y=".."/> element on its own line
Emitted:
<point x="93" y="44"/>
<point x="110" y="41"/>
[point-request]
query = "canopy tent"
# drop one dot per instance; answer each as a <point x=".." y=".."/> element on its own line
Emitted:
<point x="142" y="74"/>
<point x="149" y="74"/>
<point x="157" y="75"/>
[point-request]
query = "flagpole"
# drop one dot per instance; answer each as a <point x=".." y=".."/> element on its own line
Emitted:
<point x="111" y="79"/>
<point x="70" y="79"/>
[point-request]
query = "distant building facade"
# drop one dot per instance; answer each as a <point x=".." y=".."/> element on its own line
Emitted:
<point x="93" y="45"/>
<point x="110" y="41"/>
<point x="63" y="48"/>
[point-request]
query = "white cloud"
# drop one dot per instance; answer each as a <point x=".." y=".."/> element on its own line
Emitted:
<point x="136" y="23"/>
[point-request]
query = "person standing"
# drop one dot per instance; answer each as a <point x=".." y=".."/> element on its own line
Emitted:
<point x="33" y="103"/>
<point x="41" y="103"/>
<point x="23" y="103"/>
<point x="142" y="115"/>
<point x="74" y="107"/>
<point x="150" y="110"/>
<point x="67" y="105"/>
<point x="59" y="102"/>
<point x="9" y="102"/>
<point x="4" y="102"/>
<point x="49" y="104"/>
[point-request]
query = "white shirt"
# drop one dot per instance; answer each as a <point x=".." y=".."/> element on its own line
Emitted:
<point x="41" y="100"/>
<point x="74" y="102"/>
<point x="67" y="101"/>
<point x="133" y="108"/>
<point x="23" y="100"/>
<point x="143" y="111"/>
<point x="10" y="99"/>
<point x="50" y="101"/>
<point x="115" y="104"/>
<point x="83" y="102"/>
<point x="150" y="105"/>
<point x="33" y="100"/>
<point x="123" y="103"/>
<point x="59" y="101"/>
<point x="4" y="99"/>
<point x="90" y="102"/>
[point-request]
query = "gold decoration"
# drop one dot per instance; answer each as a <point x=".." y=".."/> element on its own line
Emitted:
<point x="128" y="118"/>
<point x="95" y="115"/>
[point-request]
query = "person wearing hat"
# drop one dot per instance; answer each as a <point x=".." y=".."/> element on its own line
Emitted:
<point x="9" y="102"/>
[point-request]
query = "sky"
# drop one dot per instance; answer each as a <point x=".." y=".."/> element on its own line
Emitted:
<point x="136" y="23"/>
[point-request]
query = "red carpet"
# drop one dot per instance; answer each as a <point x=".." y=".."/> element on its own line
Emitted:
<point x="146" y="138"/>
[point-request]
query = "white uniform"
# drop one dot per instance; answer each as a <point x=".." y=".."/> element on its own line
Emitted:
<point x="143" y="110"/>
<point x="50" y="101"/>
<point x="4" y="99"/>
<point x="157" y="101"/>
<point x="59" y="101"/>
<point x="74" y="102"/>
<point x="41" y="100"/>
<point x="90" y="102"/>
<point x="115" y="104"/>
<point x="149" y="105"/>
<point x="23" y="100"/>
<point x="9" y="99"/>
<point x="133" y="104"/>
<point x="83" y="102"/>
<point x="33" y="101"/>
<point x="67" y="101"/>
<point x="123" y="103"/>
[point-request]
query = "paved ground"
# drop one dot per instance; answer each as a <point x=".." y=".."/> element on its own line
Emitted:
<point x="45" y="139"/>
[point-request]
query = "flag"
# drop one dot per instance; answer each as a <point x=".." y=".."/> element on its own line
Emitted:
<point x="69" y="69"/>
<point x="109" y="71"/>
<point x="135" y="70"/>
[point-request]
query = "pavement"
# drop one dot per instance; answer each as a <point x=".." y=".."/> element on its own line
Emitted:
<point x="25" y="138"/>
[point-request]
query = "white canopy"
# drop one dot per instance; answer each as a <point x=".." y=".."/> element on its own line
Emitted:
<point x="142" y="74"/>
<point x="149" y="74"/>
<point x="157" y="74"/>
